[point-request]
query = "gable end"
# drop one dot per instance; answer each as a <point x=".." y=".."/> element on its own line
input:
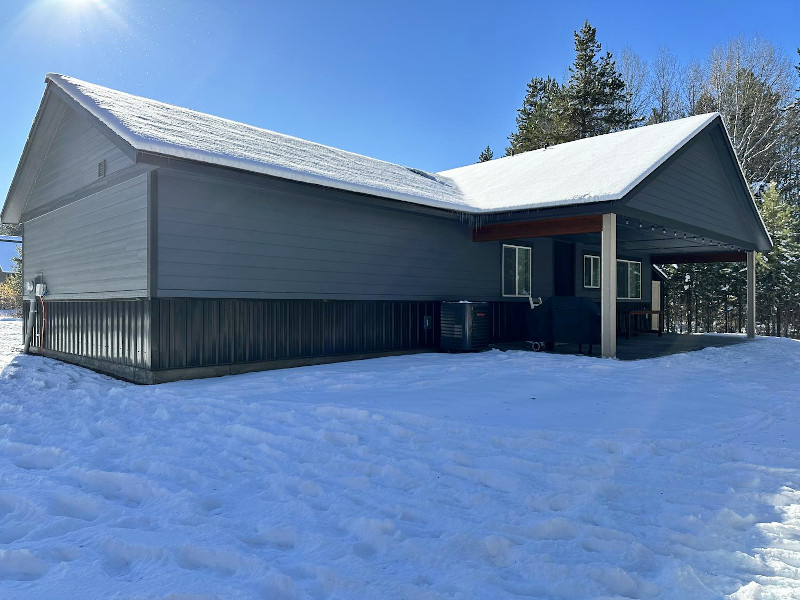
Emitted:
<point x="45" y="124"/>
<point x="700" y="190"/>
<point x="61" y="155"/>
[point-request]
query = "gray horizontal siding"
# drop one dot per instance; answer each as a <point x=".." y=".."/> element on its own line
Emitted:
<point x="695" y="189"/>
<point x="72" y="159"/>
<point x="95" y="247"/>
<point x="221" y="239"/>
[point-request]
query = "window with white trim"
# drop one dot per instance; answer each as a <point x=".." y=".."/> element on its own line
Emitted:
<point x="591" y="271"/>
<point x="516" y="270"/>
<point x="629" y="280"/>
<point x="629" y="276"/>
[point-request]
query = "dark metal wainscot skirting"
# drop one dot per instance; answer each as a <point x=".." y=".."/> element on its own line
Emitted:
<point x="202" y="337"/>
<point x="110" y="336"/>
<point x="509" y="321"/>
<point x="203" y="332"/>
<point x="165" y="339"/>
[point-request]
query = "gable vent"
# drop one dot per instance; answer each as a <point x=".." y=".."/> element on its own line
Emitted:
<point x="101" y="168"/>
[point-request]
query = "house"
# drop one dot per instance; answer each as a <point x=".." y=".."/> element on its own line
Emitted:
<point x="175" y="244"/>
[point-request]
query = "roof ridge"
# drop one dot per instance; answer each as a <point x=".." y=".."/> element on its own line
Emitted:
<point x="75" y="82"/>
<point x="622" y="159"/>
<point x="709" y="117"/>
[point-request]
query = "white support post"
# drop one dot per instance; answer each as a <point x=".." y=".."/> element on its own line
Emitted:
<point x="608" y="287"/>
<point x="751" y="294"/>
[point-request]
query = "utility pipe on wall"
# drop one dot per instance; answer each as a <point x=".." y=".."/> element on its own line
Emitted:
<point x="39" y="289"/>
<point x="29" y="328"/>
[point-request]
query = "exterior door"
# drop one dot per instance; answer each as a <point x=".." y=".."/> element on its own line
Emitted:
<point x="656" y="303"/>
<point x="563" y="269"/>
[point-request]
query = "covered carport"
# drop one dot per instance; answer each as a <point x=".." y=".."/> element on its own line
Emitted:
<point x="673" y="192"/>
<point x="619" y="233"/>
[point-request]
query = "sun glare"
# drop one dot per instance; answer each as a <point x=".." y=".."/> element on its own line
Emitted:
<point x="82" y="5"/>
<point x="70" y="24"/>
<point x="89" y="13"/>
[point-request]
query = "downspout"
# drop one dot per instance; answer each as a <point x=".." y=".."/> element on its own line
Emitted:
<point x="39" y="291"/>
<point x="29" y="327"/>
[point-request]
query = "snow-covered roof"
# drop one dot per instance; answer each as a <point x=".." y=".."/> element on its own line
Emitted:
<point x="591" y="170"/>
<point x="596" y="169"/>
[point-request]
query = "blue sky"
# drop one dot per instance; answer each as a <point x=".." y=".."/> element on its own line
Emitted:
<point x="426" y="84"/>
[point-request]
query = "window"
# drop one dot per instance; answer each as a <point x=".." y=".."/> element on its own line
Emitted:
<point x="629" y="280"/>
<point x="516" y="271"/>
<point x="629" y="277"/>
<point x="591" y="271"/>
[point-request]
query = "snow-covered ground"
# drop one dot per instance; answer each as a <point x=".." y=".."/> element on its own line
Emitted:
<point x="488" y="475"/>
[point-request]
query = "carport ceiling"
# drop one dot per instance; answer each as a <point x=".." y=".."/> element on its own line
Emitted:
<point x="635" y="236"/>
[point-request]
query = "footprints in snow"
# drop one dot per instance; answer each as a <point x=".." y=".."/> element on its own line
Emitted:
<point x="75" y="506"/>
<point x="295" y="469"/>
<point x="21" y="565"/>
<point x="27" y="456"/>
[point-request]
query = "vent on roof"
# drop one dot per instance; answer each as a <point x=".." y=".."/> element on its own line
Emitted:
<point x="422" y="173"/>
<point x="101" y="168"/>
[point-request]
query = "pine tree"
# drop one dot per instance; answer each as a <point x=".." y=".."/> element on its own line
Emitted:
<point x="540" y="120"/>
<point x="596" y="100"/>
<point x="779" y="270"/>
<point x="486" y="155"/>
<point x="593" y="102"/>
<point x="789" y="173"/>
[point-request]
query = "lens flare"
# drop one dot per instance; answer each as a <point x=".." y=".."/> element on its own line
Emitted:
<point x="71" y="23"/>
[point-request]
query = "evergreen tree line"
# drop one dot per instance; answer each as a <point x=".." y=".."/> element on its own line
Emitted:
<point x="754" y="86"/>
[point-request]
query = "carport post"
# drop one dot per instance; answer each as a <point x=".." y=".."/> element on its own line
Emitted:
<point x="608" y="287"/>
<point x="751" y="294"/>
